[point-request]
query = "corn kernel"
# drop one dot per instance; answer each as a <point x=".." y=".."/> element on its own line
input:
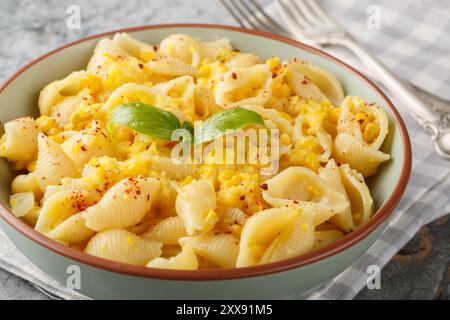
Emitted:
<point x="273" y="63"/>
<point x="371" y="132"/>
<point x="131" y="240"/>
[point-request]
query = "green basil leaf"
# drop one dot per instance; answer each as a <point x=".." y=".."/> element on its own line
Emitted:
<point x="189" y="127"/>
<point x="230" y="119"/>
<point x="145" y="119"/>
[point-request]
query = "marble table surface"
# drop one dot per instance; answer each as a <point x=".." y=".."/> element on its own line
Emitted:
<point x="30" y="28"/>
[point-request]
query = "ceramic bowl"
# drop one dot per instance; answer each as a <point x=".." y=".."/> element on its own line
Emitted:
<point x="104" y="279"/>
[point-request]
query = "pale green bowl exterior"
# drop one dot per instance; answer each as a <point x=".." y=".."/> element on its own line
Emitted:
<point x="19" y="98"/>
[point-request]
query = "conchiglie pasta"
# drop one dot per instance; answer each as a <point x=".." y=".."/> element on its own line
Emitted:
<point x="331" y="174"/>
<point x="19" y="144"/>
<point x="71" y="231"/>
<point x="312" y="82"/>
<point x="87" y="144"/>
<point x="294" y="241"/>
<point x="168" y="231"/>
<point x="220" y="249"/>
<point x="25" y="183"/>
<point x="124" y="205"/>
<point x="132" y="92"/>
<point x="168" y="66"/>
<point x="62" y="205"/>
<point x="301" y="187"/>
<point x="173" y="169"/>
<point x="348" y="149"/>
<point x="196" y="204"/>
<point x="123" y="246"/>
<point x="244" y="86"/>
<point x="182" y="47"/>
<point x="326" y="237"/>
<point x="185" y="260"/>
<point x="232" y="221"/>
<point x="260" y="231"/>
<point x="53" y="164"/>
<point x="133" y="47"/>
<point x="58" y="90"/>
<point x="358" y="193"/>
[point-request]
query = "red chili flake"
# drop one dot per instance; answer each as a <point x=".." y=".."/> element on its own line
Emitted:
<point x="242" y="198"/>
<point x="296" y="202"/>
<point x="141" y="65"/>
<point x="83" y="148"/>
<point x="234" y="75"/>
<point x="148" y="197"/>
<point x="264" y="186"/>
<point x="138" y="192"/>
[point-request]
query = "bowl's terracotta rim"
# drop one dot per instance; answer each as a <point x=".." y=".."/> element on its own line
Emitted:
<point x="222" y="274"/>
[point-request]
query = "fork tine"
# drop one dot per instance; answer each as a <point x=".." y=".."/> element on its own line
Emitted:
<point x="294" y="24"/>
<point x="318" y="11"/>
<point x="268" y="19"/>
<point x="237" y="15"/>
<point x="253" y="16"/>
<point x="309" y="15"/>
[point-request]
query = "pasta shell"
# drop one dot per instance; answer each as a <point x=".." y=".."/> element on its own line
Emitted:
<point x="312" y="82"/>
<point x="167" y="231"/>
<point x="348" y="149"/>
<point x="331" y="174"/>
<point x="302" y="187"/>
<point x="196" y="204"/>
<point x="133" y="47"/>
<point x="25" y="183"/>
<point x="218" y="248"/>
<point x="272" y="115"/>
<point x="57" y="90"/>
<point x="295" y="240"/>
<point x="244" y="86"/>
<point x="182" y="47"/>
<point x="52" y="164"/>
<point x="20" y="142"/>
<point x="185" y="260"/>
<point x="87" y="144"/>
<point x="104" y="50"/>
<point x="171" y="169"/>
<point x="326" y="237"/>
<point x="244" y="60"/>
<point x="73" y="230"/>
<point x="260" y="231"/>
<point x="21" y="203"/>
<point x="232" y="221"/>
<point x="124" y="205"/>
<point x="168" y="66"/>
<point x="358" y="193"/>
<point x="131" y="92"/>
<point x="123" y="246"/>
<point x="348" y="122"/>
<point x="63" y="204"/>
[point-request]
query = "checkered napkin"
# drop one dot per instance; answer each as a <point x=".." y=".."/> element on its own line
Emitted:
<point x="428" y="194"/>
<point x="413" y="38"/>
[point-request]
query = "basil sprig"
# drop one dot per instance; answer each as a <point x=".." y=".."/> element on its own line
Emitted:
<point x="158" y="123"/>
<point x="219" y="123"/>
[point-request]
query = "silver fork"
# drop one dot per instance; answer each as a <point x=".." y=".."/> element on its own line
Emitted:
<point x="310" y="24"/>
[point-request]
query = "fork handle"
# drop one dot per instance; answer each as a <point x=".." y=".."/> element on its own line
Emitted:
<point x="430" y="120"/>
